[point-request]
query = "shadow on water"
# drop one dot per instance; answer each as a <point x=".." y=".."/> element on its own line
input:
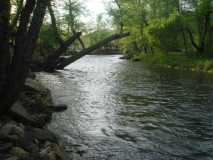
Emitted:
<point x="120" y="110"/>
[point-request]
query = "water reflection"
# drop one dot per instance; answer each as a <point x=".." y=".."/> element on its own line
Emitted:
<point x="123" y="110"/>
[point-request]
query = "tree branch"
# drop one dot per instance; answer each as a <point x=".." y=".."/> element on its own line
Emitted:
<point x="54" y="25"/>
<point x="67" y="61"/>
<point x="191" y="37"/>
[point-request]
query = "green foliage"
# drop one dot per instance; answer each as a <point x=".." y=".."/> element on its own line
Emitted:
<point x="177" y="61"/>
<point x="47" y="37"/>
<point x="165" y="25"/>
<point x="46" y="44"/>
<point x="165" y="33"/>
<point x="72" y="12"/>
<point x="96" y="36"/>
<point x="98" y="33"/>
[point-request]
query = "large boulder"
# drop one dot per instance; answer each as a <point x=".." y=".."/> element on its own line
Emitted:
<point x="36" y="98"/>
<point x="42" y="135"/>
<point x="11" y="132"/>
<point x="21" y="114"/>
<point x="12" y="128"/>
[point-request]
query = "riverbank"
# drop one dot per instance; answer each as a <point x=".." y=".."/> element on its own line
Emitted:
<point x="23" y="131"/>
<point x="177" y="61"/>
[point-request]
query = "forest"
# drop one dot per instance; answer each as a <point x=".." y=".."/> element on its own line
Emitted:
<point x="170" y="33"/>
<point x="48" y="35"/>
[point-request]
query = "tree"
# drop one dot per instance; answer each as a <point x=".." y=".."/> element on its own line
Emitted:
<point x="15" y="61"/>
<point x="201" y="17"/>
<point x="62" y="63"/>
<point x="155" y="24"/>
<point x="74" y="10"/>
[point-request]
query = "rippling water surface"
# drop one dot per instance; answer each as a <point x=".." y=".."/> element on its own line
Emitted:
<point x="122" y="110"/>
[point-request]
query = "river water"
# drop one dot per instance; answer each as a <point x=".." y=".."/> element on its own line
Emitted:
<point x="123" y="110"/>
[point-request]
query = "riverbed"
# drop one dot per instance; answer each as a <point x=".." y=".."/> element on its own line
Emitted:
<point x="123" y="110"/>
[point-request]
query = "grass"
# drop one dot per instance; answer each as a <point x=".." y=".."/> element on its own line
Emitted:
<point x="177" y="61"/>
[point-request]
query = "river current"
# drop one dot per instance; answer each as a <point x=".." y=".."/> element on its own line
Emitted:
<point x="123" y="110"/>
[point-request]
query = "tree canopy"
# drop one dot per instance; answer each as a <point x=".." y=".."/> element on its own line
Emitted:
<point x="165" y="25"/>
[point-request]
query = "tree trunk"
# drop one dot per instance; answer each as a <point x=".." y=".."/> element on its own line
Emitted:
<point x="191" y="37"/>
<point x="52" y="60"/>
<point x="26" y="36"/>
<point x="66" y="61"/>
<point x="121" y="24"/>
<point x="205" y="30"/>
<point x="79" y="39"/>
<point x="54" y="25"/>
<point x="4" y="49"/>
<point x="18" y="12"/>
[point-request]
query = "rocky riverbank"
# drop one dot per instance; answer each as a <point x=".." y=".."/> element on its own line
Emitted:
<point x="23" y="132"/>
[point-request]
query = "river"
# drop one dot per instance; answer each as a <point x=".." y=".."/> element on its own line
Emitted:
<point x="123" y="110"/>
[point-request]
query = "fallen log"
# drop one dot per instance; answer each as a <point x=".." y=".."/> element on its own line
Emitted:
<point x="66" y="61"/>
<point x="52" y="60"/>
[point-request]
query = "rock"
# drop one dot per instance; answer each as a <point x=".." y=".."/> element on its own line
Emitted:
<point x="34" y="86"/>
<point x="52" y="152"/>
<point x="5" y="147"/>
<point x="19" y="152"/>
<point x="21" y="114"/>
<point x="11" y="131"/>
<point x="29" y="143"/>
<point x="13" y="138"/>
<point x="12" y="158"/>
<point x="58" y="108"/>
<point x="42" y="135"/>
<point x="36" y="99"/>
<point x="6" y="129"/>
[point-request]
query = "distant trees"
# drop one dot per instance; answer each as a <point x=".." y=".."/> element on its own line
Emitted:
<point x="165" y="25"/>
<point x="99" y="31"/>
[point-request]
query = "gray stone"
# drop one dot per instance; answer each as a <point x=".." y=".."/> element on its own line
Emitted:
<point x="6" y="129"/>
<point x="12" y="130"/>
<point x="34" y="85"/>
<point x="21" y="114"/>
<point x="12" y="158"/>
<point x="42" y="135"/>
